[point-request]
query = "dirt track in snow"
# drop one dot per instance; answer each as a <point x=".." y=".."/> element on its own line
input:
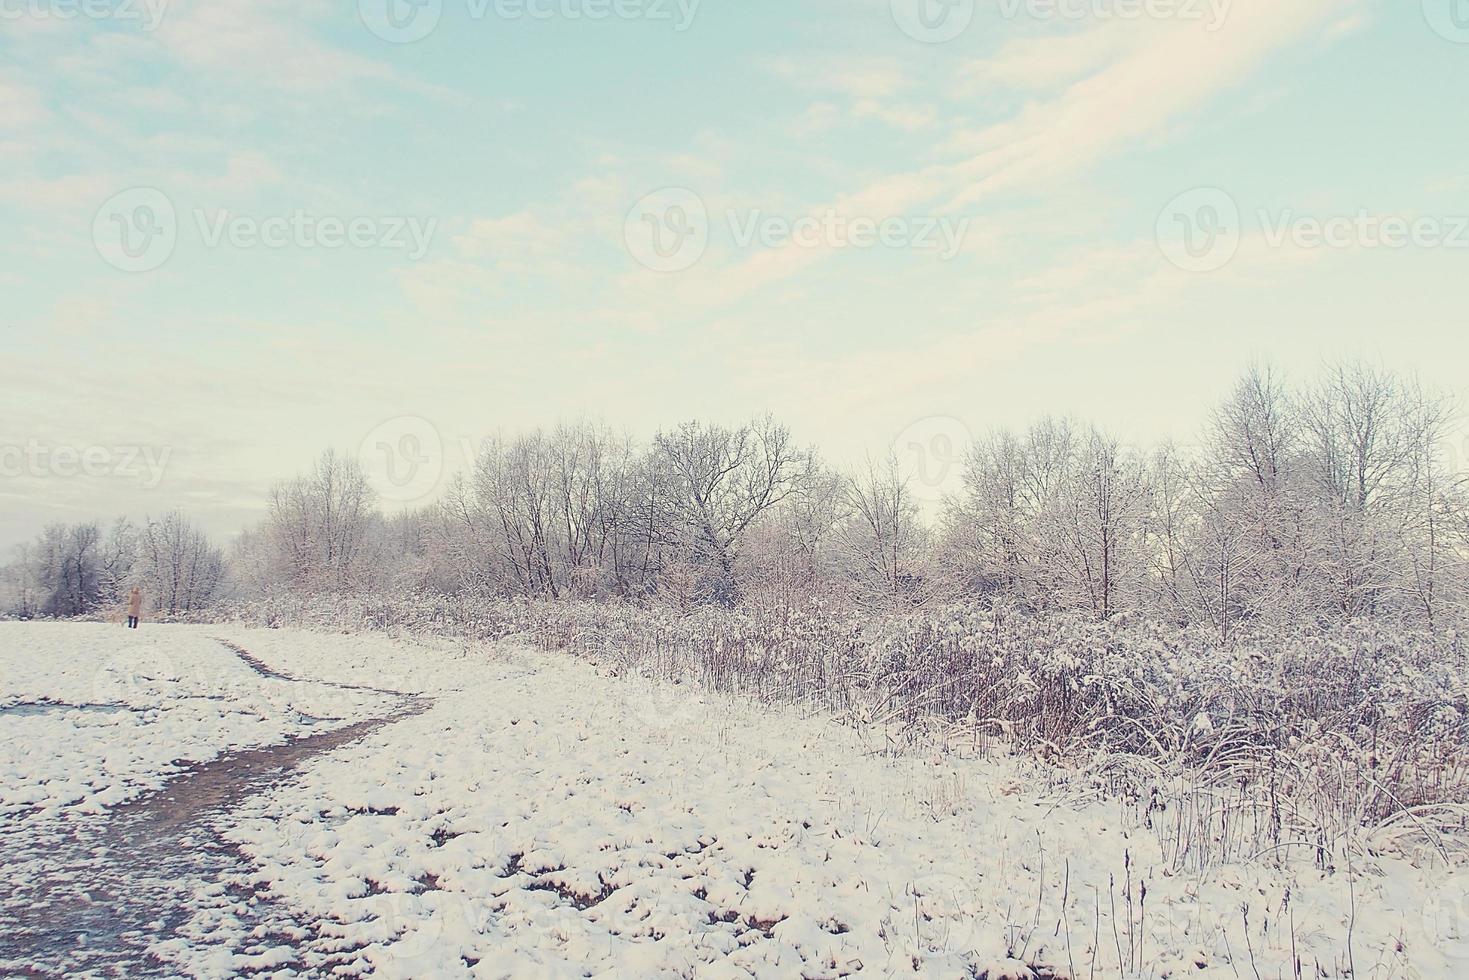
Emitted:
<point x="93" y="898"/>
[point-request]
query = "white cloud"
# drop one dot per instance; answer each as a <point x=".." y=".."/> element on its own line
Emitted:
<point x="1035" y="63"/>
<point x="1171" y="69"/>
<point x="866" y="88"/>
<point x="21" y="106"/>
<point x="269" y="42"/>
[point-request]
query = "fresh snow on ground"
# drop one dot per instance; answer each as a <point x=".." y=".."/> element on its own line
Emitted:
<point x="542" y="819"/>
<point x="92" y="715"/>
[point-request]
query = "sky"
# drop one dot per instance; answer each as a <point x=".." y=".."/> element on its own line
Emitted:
<point x="238" y="232"/>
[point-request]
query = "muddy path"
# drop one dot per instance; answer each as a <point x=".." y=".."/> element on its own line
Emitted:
<point x="91" y="897"/>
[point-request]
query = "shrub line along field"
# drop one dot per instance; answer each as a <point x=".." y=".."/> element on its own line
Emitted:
<point x="1355" y="735"/>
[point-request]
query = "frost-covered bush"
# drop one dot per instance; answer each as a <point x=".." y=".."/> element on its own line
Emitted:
<point x="1306" y="736"/>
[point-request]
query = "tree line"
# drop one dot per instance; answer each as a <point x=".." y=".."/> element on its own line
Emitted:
<point x="77" y="569"/>
<point x="1322" y="502"/>
<point x="1328" y="502"/>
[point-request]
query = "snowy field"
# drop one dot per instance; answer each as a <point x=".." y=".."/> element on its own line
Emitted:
<point x="92" y="715"/>
<point x="537" y="818"/>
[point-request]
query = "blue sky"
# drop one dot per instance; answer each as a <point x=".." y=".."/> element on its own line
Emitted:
<point x="523" y="147"/>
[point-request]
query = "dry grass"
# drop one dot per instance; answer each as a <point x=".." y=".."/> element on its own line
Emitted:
<point x="1344" y="738"/>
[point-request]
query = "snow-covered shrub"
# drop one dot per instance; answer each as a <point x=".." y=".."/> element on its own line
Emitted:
<point x="1355" y="726"/>
<point x="1232" y="749"/>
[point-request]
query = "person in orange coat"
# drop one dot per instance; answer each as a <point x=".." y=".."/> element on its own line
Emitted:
<point x="135" y="607"/>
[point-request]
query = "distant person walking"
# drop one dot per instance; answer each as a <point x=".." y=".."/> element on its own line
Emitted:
<point x="135" y="607"/>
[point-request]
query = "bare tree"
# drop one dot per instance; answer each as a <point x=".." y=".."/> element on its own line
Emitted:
<point x="791" y="554"/>
<point x="1258" y="516"/>
<point x="178" y="565"/>
<point x="884" y="545"/>
<point x="1094" y="528"/>
<point x="722" y="480"/>
<point x="318" y="523"/>
<point x="989" y="526"/>
<point x="70" y="569"/>
<point x="23" y="588"/>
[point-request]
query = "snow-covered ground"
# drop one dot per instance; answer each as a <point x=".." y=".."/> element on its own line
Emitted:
<point x="91" y="715"/>
<point x="542" y="819"/>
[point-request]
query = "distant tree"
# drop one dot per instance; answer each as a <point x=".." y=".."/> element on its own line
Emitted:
<point x="1259" y="503"/>
<point x="792" y="553"/>
<point x="69" y="570"/>
<point x="20" y="585"/>
<point x="318" y="524"/>
<point x="1093" y="530"/>
<point x="177" y="565"/>
<point x="721" y="480"/>
<point x="883" y="543"/>
<point x="1300" y="505"/>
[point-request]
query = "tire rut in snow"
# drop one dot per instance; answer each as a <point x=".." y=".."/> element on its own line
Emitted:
<point x="92" y="897"/>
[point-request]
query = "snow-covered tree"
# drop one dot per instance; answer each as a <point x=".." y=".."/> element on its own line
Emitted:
<point x="318" y="524"/>
<point x="177" y="565"/>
